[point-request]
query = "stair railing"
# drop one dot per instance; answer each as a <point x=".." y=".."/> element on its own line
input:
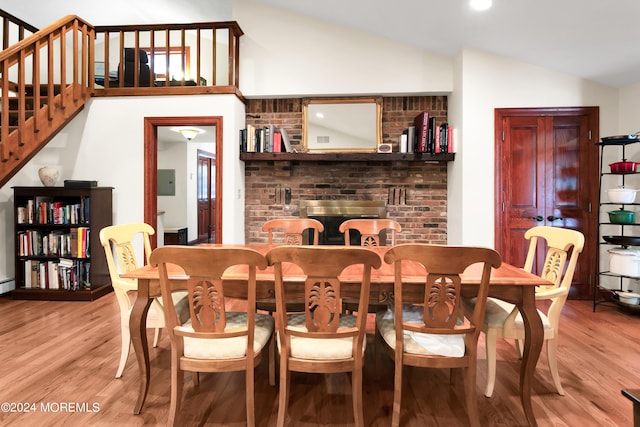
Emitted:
<point x="55" y="65"/>
<point x="13" y="29"/>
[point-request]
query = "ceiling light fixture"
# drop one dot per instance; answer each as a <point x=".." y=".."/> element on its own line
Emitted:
<point x="188" y="133"/>
<point x="481" y="4"/>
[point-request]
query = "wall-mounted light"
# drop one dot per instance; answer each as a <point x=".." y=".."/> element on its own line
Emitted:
<point x="189" y="132"/>
<point x="481" y="4"/>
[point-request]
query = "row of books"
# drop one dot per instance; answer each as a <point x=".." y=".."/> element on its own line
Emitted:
<point x="267" y="139"/>
<point x="68" y="274"/>
<point x="426" y="136"/>
<point x="45" y="210"/>
<point x="72" y="243"/>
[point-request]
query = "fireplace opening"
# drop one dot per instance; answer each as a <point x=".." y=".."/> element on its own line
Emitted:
<point x="332" y="213"/>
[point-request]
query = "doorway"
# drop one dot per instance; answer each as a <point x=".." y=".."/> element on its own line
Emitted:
<point x="151" y="125"/>
<point x="546" y="174"/>
<point x="206" y="197"/>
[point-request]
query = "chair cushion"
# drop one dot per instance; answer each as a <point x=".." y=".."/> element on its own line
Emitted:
<point x="229" y="348"/>
<point x="321" y="348"/>
<point x="416" y="342"/>
<point x="155" y="315"/>
<point x="498" y="310"/>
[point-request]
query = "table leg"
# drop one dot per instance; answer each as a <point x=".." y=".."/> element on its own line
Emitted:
<point x="534" y="336"/>
<point x="138" y="329"/>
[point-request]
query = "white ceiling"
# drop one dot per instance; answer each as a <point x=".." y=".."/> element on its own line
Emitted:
<point x="593" y="39"/>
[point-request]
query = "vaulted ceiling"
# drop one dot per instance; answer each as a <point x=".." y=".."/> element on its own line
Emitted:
<point x="593" y="39"/>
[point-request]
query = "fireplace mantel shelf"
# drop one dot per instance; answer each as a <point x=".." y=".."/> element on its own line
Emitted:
<point x="348" y="157"/>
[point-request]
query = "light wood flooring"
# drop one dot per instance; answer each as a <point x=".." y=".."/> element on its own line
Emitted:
<point x="59" y="358"/>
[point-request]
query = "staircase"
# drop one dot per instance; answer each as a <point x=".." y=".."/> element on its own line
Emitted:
<point x="42" y="88"/>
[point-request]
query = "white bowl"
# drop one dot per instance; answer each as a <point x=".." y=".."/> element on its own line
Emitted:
<point x="629" y="298"/>
<point x="622" y="195"/>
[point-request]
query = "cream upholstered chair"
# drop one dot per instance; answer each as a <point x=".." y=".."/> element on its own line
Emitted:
<point x="213" y="339"/>
<point x="321" y="339"/>
<point x="503" y="320"/>
<point x="370" y="230"/>
<point x="119" y="240"/>
<point x="427" y="329"/>
<point x="293" y="230"/>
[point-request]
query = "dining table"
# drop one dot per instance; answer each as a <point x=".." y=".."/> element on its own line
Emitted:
<point x="508" y="282"/>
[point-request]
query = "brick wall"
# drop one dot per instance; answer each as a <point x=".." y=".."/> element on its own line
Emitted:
<point x="416" y="192"/>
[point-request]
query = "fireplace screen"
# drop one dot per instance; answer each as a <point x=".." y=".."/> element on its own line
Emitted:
<point x="332" y="213"/>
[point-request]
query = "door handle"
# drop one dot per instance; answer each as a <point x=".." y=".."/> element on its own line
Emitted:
<point x="538" y="218"/>
<point x="553" y="218"/>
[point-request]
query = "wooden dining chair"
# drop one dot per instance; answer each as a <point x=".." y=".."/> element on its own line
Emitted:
<point x="427" y="327"/>
<point x="294" y="230"/>
<point x="118" y="242"/>
<point x="371" y="230"/>
<point x="503" y="319"/>
<point x="213" y="339"/>
<point x="321" y="339"/>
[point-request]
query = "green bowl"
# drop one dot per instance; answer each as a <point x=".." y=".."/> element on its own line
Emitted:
<point x="622" y="217"/>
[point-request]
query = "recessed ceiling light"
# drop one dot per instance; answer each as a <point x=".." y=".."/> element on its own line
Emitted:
<point x="481" y="4"/>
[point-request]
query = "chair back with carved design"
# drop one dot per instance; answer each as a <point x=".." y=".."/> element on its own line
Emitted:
<point x="294" y="230"/>
<point x="321" y="339"/>
<point x="214" y="339"/>
<point x="563" y="248"/>
<point x="371" y="230"/>
<point x="427" y="327"/>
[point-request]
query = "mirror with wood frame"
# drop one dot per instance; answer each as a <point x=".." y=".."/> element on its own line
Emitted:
<point x="342" y="124"/>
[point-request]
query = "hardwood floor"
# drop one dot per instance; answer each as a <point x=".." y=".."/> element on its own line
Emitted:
<point x="60" y="358"/>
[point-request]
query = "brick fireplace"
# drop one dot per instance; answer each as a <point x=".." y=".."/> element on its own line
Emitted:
<point x="414" y="193"/>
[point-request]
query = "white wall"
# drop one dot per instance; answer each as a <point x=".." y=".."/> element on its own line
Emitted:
<point x="286" y="54"/>
<point x="485" y="82"/>
<point x="173" y="155"/>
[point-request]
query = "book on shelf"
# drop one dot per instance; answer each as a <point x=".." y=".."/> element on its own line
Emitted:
<point x="403" y="142"/>
<point x="52" y="272"/>
<point x="411" y="139"/>
<point x="277" y="142"/>
<point x="421" y="123"/>
<point x="431" y="138"/>
<point x="66" y="271"/>
<point x="271" y="130"/>
<point x="35" y="270"/>
<point x="266" y="139"/>
<point x="285" y="141"/>
<point x="79" y="241"/>
<point x="42" y="275"/>
<point x="21" y="215"/>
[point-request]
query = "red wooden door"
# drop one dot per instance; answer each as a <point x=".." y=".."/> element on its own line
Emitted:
<point x="546" y="174"/>
<point x="206" y="197"/>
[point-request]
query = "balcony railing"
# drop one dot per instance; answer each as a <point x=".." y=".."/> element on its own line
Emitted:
<point x="173" y="58"/>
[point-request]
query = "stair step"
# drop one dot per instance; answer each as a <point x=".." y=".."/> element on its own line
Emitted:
<point x="14" y="103"/>
<point x="13" y="117"/>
